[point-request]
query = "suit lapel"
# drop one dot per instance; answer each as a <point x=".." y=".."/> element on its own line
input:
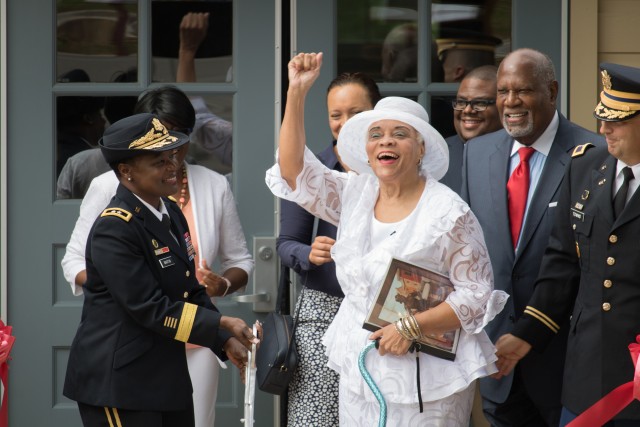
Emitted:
<point x="550" y="180"/>
<point x="499" y="171"/>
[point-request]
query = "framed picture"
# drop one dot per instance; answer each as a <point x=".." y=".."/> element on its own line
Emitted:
<point x="409" y="288"/>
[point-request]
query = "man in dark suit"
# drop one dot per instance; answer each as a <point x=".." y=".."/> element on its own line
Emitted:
<point x="127" y="365"/>
<point x="590" y="270"/>
<point x="474" y="114"/>
<point x="515" y="203"/>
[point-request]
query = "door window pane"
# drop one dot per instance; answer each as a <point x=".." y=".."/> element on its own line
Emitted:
<point x="188" y="45"/>
<point x="469" y="34"/>
<point x="80" y="124"/>
<point x="211" y="144"/>
<point x="97" y="42"/>
<point x="99" y="37"/>
<point x="381" y="37"/>
<point x="81" y="121"/>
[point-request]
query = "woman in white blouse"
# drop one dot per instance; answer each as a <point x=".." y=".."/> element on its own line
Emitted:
<point x="392" y="205"/>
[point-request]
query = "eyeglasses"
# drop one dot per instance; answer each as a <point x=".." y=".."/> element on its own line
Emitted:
<point x="477" y="105"/>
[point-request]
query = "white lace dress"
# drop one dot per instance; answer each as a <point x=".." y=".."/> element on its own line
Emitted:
<point x="441" y="232"/>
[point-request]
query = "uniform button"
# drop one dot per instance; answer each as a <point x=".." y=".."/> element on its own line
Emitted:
<point x="608" y="283"/>
<point x="613" y="238"/>
<point x="186" y="294"/>
<point x="611" y="260"/>
<point x="574" y="226"/>
<point x="606" y="306"/>
<point x="187" y="273"/>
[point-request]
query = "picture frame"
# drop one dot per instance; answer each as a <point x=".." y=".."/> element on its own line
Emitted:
<point x="410" y="287"/>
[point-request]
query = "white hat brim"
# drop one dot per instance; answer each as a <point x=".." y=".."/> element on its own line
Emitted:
<point x="353" y="138"/>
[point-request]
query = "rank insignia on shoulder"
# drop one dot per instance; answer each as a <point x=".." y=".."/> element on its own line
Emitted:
<point x="120" y="213"/>
<point x="581" y="149"/>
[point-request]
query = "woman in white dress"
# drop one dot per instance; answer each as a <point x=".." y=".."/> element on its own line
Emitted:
<point x="391" y="205"/>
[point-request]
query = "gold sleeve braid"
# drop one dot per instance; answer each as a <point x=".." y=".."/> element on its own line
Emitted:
<point x="186" y="322"/>
<point x="546" y="320"/>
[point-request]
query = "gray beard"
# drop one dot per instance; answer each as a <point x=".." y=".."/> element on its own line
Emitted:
<point x="519" y="131"/>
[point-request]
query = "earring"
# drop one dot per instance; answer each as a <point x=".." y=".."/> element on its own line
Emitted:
<point x="419" y="162"/>
<point x="129" y="178"/>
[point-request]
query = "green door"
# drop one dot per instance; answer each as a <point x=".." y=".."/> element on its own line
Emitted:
<point x="235" y="73"/>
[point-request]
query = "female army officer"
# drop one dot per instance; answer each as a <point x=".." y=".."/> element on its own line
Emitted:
<point x="127" y="364"/>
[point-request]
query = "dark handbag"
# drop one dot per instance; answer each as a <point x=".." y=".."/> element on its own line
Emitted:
<point x="276" y="357"/>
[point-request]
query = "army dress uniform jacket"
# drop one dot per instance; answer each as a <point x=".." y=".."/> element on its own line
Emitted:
<point x="592" y="259"/>
<point x="142" y="303"/>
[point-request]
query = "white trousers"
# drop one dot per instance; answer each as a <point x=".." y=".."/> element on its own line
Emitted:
<point x="204" y="370"/>
<point x="452" y="411"/>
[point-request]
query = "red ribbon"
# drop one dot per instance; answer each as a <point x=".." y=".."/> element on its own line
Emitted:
<point x="615" y="401"/>
<point x="6" y="342"/>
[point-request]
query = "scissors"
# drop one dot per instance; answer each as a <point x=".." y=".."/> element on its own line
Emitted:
<point x="250" y="384"/>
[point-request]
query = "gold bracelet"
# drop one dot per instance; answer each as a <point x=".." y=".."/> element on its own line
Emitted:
<point x="406" y="326"/>
<point x="405" y="329"/>
<point x="401" y="331"/>
<point x="416" y="326"/>
<point x="415" y="330"/>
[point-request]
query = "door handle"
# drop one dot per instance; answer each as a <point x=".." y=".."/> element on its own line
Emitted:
<point x="265" y="276"/>
<point x="260" y="297"/>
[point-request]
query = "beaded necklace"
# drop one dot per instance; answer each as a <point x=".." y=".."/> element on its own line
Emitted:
<point x="185" y="187"/>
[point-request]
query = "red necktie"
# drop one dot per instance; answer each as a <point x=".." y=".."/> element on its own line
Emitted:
<point x="517" y="190"/>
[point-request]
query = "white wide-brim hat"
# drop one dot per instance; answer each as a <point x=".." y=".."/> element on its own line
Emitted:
<point x="353" y="136"/>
